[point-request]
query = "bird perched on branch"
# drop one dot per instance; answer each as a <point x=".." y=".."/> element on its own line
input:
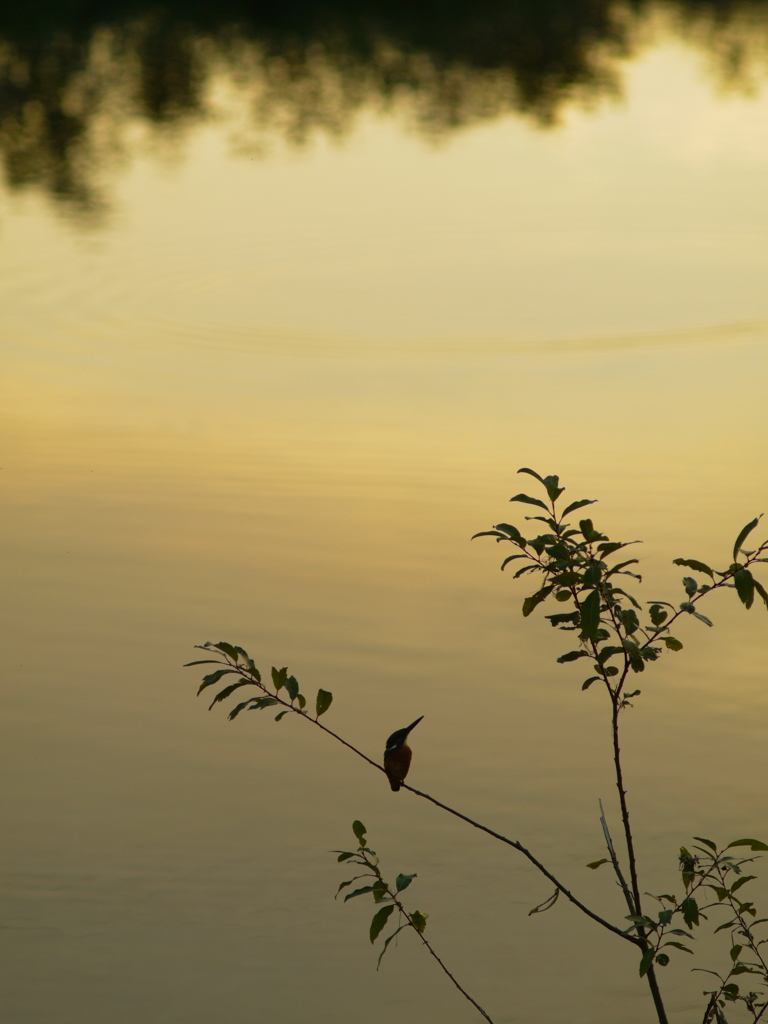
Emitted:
<point x="397" y="756"/>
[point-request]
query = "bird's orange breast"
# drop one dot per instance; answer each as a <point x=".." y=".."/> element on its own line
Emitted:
<point x="396" y="765"/>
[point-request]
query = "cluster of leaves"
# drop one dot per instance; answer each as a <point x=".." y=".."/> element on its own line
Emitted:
<point x="383" y="894"/>
<point x="238" y="662"/>
<point x="713" y="879"/>
<point x="578" y="567"/>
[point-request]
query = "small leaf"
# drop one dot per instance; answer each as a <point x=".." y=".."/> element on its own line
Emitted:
<point x="672" y="643"/>
<point x="323" y="702"/>
<point x="753" y="844"/>
<point x="693" y="563"/>
<point x="227" y="649"/>
<point x="530" y="602"/>
<point x="237" y="709"/>
<point x="205" y="661"/>
<point x="531" y="472"/>
<point x="528" y="500"/>
<point x="646" y="961"/>
<point x="761" y="591"/>
<point x="387" y="942"/>
<point x="213" y="678"/>
<point x="661" y="959"/>
<point x="571" y="656"/>
<point x="735" y="950"/>
<point x="546" y="905"/>
<point x="588" y="682"/>
<point x="578" y="504"/>
<point x="743" y="536"/>
<point x="590" y="616"/>
<point x="513" y="532"/>
<point x="223" y="694"/>
<point x="690" y="911"/>
<point x="343" y="855"/>
<point x="690" y="584"/>
<point x="419" y="921"/>
<point x="360" y="830"/>
<point x="707" y="842"/>
<point x="358" y="892"/>
<point x="596" y="863"/>
<point x="745" y="586"/>
<point x="279" y="676"/>
<point x="403" y="881"/>
<point x="282" y="714"/>
<point x="292" y="686"/>
<point x="679" y="945"/>
<point x="554" y="490"/>
<point x="510" y="558"/>
<point x="380" y="918"/>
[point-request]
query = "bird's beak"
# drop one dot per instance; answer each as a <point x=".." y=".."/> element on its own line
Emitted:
<point x="414" y="724"/>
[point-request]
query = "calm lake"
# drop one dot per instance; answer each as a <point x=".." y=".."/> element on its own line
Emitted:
<point x="284" y="306"/>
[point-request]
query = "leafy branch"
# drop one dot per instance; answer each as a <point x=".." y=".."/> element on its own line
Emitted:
<point x="388" y="899"/>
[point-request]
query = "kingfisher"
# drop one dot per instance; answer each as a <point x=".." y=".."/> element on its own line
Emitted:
<point x="397" y="756"/>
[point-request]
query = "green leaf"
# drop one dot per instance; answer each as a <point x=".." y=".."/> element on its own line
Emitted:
<point x="228" y="690"/>
<point x="387" y="942"/>
<point x="761" y="591"/>
<point x="279" y="676"/>
<point x="228" y="649"/>
<point x="380" y="918"/>
<point x="292" y="686"/>
<point x="571" y="656"/>
<point x="301" y="700"/>
<point x="690" y="911"/>
<point x="531" y="472"/>
<point x="679" y="945"/>
<point x="513" y="532"/>
<point x="693" y="563"/>
<point x="358" y="892"/>
<point x="238" y="708"/>
<point x="646" y="961"/>
<point x="734" y="953"/>
<point x="588" y="682"/>
<point x="343" y="855"/>
<point x="753" y="844"/>
<point x="554" y="490"/>
<point x="323" y="702"/>
<point x="661" y="959"/>
<point x="594" y="864"/>
<point x="213" y="678"/>
<point x="530" y="602"/>
<point x="743" y="535"/>
<point x="403" y="881"/>
<point x="259" y="703"/>
<point x="282" y="715"/>
<point x="578" y="504"/>
<point x="528" y="500"/>
<point x="690" y="584"/>
<point x="360" y="830"/>
<point x="590" y="616"/>
<point x="205" y="661"/>
<point x="707" y="842"/>
<point x="672" y="643"/>
<point x="745" y="586"/>
<point x="511" y="558"/>
<point x="419" y="921"/>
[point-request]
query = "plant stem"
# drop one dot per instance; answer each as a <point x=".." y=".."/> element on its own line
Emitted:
<point x="463" y="991"/>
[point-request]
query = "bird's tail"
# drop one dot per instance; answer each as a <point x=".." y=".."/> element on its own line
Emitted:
<point x="394" y="783"/>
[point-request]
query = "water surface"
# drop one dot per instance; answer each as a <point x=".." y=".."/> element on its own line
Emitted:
<point x="267" y="396"/>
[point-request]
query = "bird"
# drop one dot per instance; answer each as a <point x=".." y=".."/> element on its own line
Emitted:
<point x="397" y="756"/>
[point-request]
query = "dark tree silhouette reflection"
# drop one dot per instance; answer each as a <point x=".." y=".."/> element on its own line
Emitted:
<point x="73" y="76"/>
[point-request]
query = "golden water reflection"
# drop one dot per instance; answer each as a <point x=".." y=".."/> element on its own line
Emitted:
<point x="270" y="401"/>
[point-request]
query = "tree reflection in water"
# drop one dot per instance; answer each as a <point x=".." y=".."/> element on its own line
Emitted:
<point x="71" y="83"/>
